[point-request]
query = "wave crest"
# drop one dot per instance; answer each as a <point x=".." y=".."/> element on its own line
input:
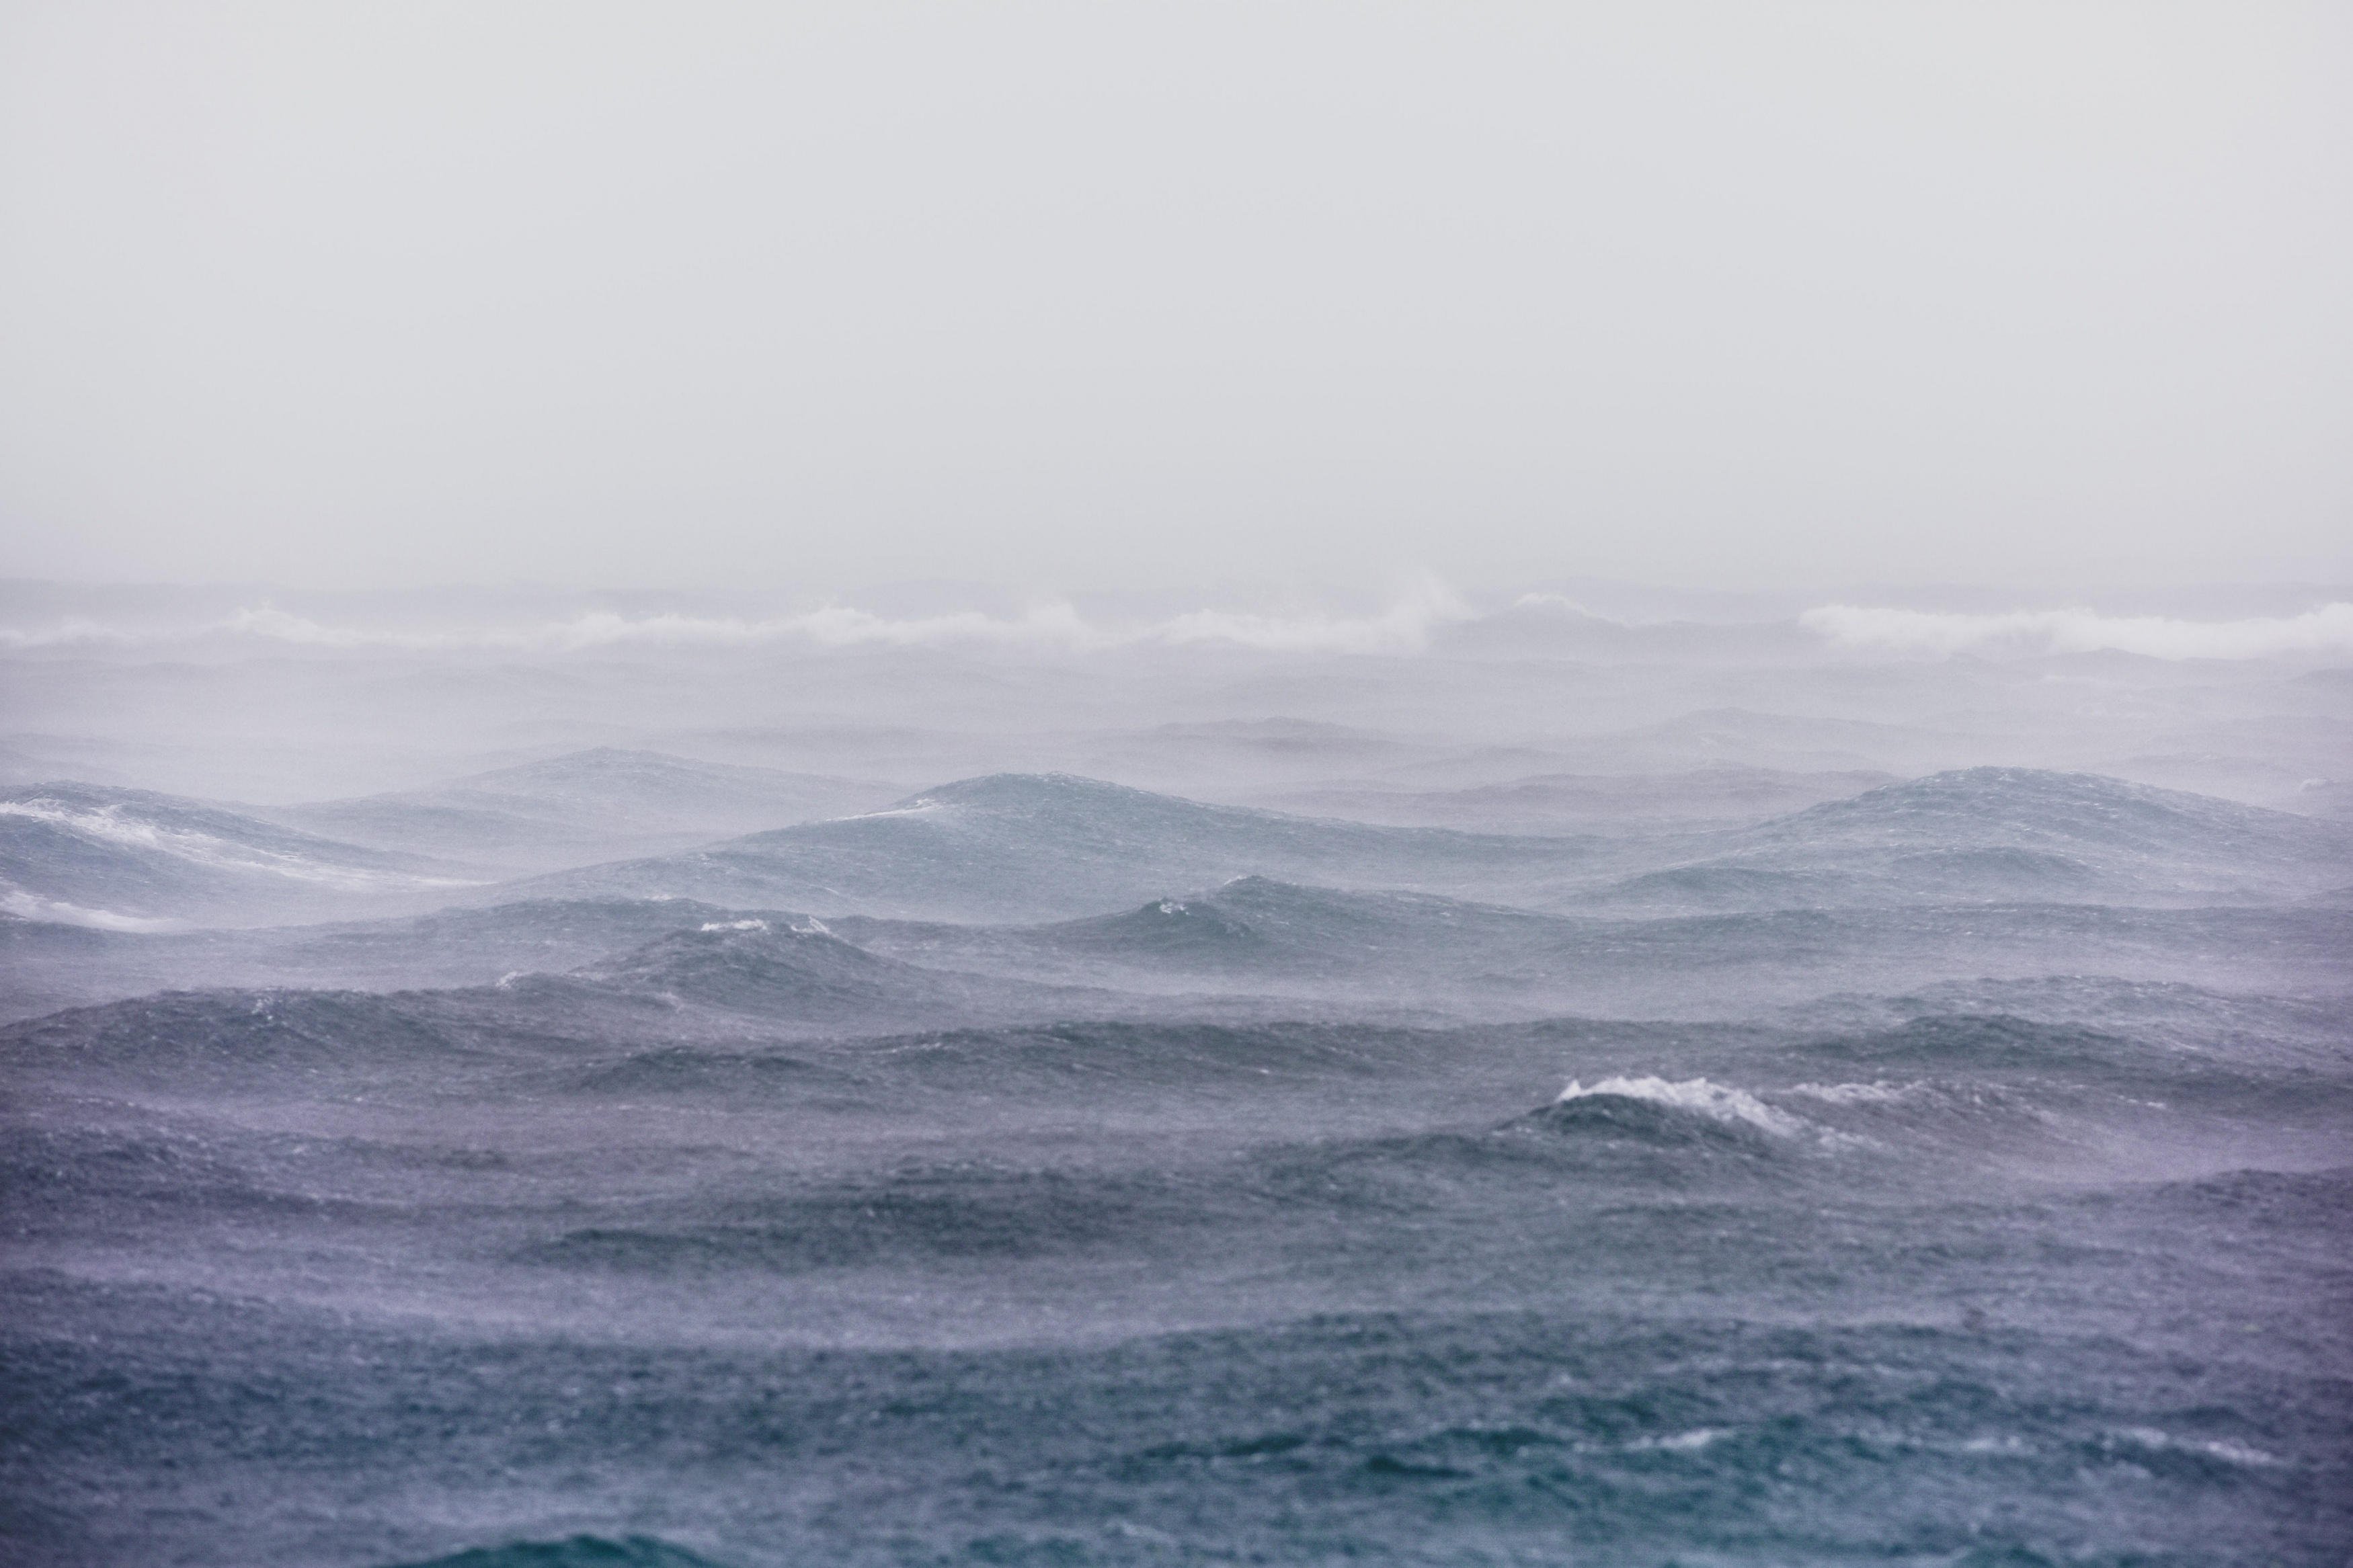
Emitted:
<point x="1404" y="627"/>
<point x="577" y="1551"/>
<point x="1716" y="1101"/>
<point x="2322" y="631"/>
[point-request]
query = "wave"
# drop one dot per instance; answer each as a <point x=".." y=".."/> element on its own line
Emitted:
<point x="122" y="859"/>
<point x="101" y="958"/>
<point x="602" y="804"/>
<point x="122" y="823"/>
<point x="273" y="1034"/>
<point x="966" y="1210"/>
<point x="30" y="906"/>
<point x="1652" y="1131"/>
<point x="2322" y="632"/>
<point x="1695" y="1096"/>
<point x="1984" y="1042"/>
<point x="717" y="981"/>
<point x="2165" y="1017"/>
<point x="1185" y="933"/>
<point x="2008" y="834"/>
<point x="1964" y="1103"/>
<point x="685" y="1070"/>
<point x="1405" y="625"/>
<point x="576" y="1552"/>
<point x="804" y="973"/>
<point x="1014" y="846"/>
<point x="2003" y="807"/>
<point x="1879" y="1091"/>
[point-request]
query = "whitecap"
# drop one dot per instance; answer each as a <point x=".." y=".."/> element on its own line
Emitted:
<point x="1689" y="1442"/>
<point x="2220" y="1448"/>
<point x="2320" y="632"/>
<point x="110" y="825"/>
<point x="30" y="906"/>
<point x="1714" y="1101"/>
<point x="1405" y="625"/>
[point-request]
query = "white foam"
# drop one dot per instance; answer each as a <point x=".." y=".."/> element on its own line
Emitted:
<point x="111" y="825"/>
<point x="72" y="630"/>
<point x="2220" y="1448"/>
<point x="1689" y="1442"/>
<point x="33" y="907"/>
<point x="1695" y="1094"/>
<point x="2328" y="630"/>
<point x="736" y="925"/>
<point x="1404" y="627"/>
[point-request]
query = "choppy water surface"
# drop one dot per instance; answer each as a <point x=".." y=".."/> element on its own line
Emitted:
<point x="1992" y="1206"/>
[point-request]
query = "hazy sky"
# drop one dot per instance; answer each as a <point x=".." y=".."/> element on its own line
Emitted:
<point x="1124" y="294"/>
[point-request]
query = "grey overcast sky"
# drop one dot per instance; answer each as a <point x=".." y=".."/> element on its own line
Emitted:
<point x="1119" y="294"/>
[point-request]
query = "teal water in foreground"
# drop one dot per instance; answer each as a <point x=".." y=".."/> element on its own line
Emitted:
<point x="1964" y="1279"/>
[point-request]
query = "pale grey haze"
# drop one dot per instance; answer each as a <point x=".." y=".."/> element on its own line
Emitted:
<point x="1123" y="296"/>
<point x="1416" y="785"/>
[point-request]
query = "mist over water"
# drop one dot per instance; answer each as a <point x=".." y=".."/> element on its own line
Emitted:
<point x="543" y="1078"/>
<point x="1313" y="781"/>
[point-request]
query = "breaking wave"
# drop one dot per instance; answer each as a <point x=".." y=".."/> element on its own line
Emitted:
<point x="1403" y="626"/>
<point x="1696" y="1096"/>
<point x="31" y="906"/>
<point x="112" y="824"/>
<point x="2323" y="631"/>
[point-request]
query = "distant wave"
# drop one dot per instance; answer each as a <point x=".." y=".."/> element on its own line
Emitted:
<point x="2326" y="630"/>
<point x="1404" y="627"/>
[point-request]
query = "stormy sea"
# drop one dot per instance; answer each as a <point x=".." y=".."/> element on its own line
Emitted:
<point x="544" y="1086"/>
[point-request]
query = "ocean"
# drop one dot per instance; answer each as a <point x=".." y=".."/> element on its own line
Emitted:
<point x="1029" y="1169"/>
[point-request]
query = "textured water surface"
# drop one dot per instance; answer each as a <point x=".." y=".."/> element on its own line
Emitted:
<point x="1260" y="1223"/>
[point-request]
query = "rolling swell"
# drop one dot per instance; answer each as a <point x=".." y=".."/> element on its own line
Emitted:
<point x="1265" y="1221"/>
<point x="260" y="1034"/>
<point x="981" y="1210"/>
<point x="1990" y="1043"/>
<point x="576" y="1552"/>
<point x="970" y="1214"/>
<point x="2056" y="1070"/>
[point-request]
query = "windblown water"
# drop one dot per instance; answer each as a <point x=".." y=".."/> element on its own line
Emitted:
<point x="633" y="1158"/>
